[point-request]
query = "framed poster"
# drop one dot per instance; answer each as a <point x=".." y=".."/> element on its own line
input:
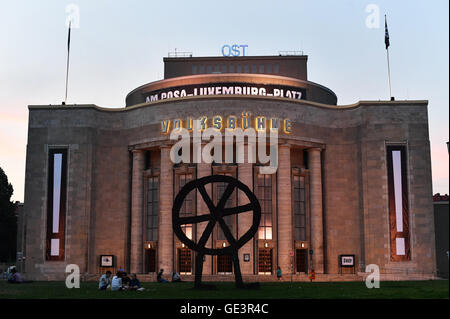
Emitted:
<point x="106" y="261"/>
<point x="246" y="257"/>
<point x="347" y="260"/>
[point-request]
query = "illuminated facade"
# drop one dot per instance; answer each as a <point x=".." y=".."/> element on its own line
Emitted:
<point x="352" y="186"/>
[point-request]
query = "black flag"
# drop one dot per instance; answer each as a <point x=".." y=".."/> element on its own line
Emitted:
<point x="68" y="38"/>
<point x="386" y="33"/>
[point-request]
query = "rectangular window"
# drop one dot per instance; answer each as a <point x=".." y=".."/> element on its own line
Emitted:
<point x="194" y="69"/>
<point x="263" y="188"/>
<point x="276" y="68"/>
<point x="231" y="68"/>
<point x="220" y="189"/>
<point x="152" y="208"/>
<point x="253" y="68"/>
<point x="239" y="68"/>
<point x="246" y="68"/>
<point x="398" y="202"/>
<point x="223" y="68"/>
<point x="299" y="207"/>
<point x="269" y="68"/>
<point x="56" y="203"/>
<point x="202" y="69"/>
<point x="188" y="208"/>
<point x="261" y="68"/>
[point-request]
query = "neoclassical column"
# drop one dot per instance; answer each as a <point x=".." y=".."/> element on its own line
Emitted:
<point x="165" y="234"/>
<point x="204" y="169"/>
<point x="245" y="174"/>
<point x="315" y="181"/>
<point x="285" y="239"/>
<point x="137" y="203"/>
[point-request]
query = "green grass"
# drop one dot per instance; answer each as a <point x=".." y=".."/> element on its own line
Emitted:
<point x="300" y="290"/>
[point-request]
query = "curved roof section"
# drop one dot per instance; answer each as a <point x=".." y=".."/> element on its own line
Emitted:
<point x="265" y="84"/>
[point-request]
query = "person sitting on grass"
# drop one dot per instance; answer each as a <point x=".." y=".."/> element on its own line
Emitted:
<point x="176" y="277"/>
<point x="135" y="284"/>
<point x="105" y="281"/>
<point x="15" y="278"/>
<point x="159" y="278"/>
<point x="125" y="281"/>
<point x="116" y="283"/>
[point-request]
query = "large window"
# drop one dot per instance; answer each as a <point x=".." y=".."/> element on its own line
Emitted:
<point x="56" y="203"/>
<point x="152" y="208"/>
<point x="299" y="207"/>
<point x="220" y="188"/>
<point x="263" y="187"/>
<point x="188" y="207"/>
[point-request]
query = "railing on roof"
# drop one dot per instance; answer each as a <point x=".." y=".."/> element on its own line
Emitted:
<point x="289" y="53"/>
<point x="177" y="54"/>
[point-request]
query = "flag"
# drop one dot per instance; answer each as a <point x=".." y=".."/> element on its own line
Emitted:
<point x="68" y="38"/>
<point x="386" y="33"/>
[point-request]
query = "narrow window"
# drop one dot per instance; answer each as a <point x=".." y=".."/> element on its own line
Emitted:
<point x="188" y="207"/>
<point x="56" y="203"/>
<point x="398" y="203"/>
<point x="264" y="195"/>
<point x="152" y="208"/>
<point x="299" y="208"/>
<point x="276" y="68"/>
<point x="261" y="68"/>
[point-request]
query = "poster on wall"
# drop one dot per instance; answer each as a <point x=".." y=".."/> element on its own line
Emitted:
<point x="106" y="261"/>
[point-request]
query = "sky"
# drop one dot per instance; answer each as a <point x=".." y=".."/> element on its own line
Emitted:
<point x="117" y="46"/>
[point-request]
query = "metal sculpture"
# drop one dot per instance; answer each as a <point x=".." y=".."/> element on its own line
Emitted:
<point x="216" y="214"/>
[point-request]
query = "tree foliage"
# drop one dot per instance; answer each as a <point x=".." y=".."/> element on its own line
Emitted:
<point x="8" y="220"/>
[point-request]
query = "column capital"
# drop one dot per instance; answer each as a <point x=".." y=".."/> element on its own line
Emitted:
<point x="315" y="149"/>
<point x="137" y="151"/>
<point x="286" y="145"/>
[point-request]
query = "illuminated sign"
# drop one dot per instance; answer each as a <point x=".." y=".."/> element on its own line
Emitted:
<point x="234" y="49"/>
<point x="289" y="92"/>
<point x="232" y="122"/>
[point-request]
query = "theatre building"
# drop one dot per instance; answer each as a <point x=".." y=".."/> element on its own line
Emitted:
<point x="352" y="186"/>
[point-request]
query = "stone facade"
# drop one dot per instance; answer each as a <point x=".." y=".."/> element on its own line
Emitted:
<point x="347" y="204"/>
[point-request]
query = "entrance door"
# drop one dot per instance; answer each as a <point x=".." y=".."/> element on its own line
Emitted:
<point x="224" y="264"/>
<point x="150" y="260"/>
<point x="265" y="261"/>
<point x="301" y="261"/>
<point x="185" y="261"/>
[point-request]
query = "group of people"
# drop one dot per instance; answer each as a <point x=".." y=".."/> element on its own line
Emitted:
<point x="175" y="277"/>
<point x="120" y="281"/>
<point x="15" y="278"/>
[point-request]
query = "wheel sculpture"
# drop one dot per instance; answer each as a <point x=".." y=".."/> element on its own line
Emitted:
<point x="216" y="214"/>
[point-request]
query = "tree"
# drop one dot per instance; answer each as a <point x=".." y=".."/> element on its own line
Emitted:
<point x="8" y="220"/>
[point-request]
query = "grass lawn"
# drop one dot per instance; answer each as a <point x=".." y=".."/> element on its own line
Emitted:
<point x="300" y="290"/>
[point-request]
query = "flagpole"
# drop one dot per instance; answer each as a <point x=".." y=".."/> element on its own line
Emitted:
<point x="389" y="73"/>
<point x="387" y="43"/>
<point x="67" y="66"/>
